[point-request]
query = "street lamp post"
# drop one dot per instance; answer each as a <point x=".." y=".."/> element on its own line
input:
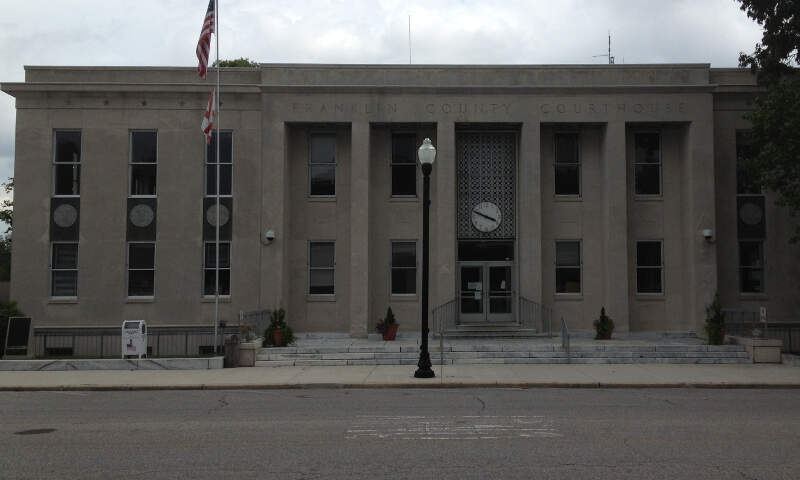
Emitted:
<point x="427" y="154"/>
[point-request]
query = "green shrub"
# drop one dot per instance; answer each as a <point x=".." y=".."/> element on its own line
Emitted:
<point x="10" y="309"/>
<point x="715" y="322"/>
<point x="277" y="322"/>
<point x="383" y="324"/>
<point x="604" y="326"/>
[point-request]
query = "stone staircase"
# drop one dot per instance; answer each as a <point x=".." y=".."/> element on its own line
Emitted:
<point x="392" y="353"/>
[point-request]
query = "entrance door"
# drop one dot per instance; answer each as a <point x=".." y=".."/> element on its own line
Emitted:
<point x="486" y="293"/>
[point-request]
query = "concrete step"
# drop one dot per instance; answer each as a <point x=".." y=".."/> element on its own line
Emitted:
<point x="490" y="361"/>
<point x="490" y="353"/>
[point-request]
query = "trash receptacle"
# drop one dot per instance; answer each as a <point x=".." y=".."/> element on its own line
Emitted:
<point x="231" y="352"/>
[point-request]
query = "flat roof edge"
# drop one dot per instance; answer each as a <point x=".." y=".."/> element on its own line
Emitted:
<point x="505" y="66"/>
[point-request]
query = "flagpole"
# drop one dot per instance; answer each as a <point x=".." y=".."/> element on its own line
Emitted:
<point x="219" y="140"/>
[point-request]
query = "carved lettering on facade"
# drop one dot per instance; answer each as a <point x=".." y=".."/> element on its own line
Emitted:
<point x="603" y="108"/>
<point x="465" y="108"/>
<point x="362" y="108"/>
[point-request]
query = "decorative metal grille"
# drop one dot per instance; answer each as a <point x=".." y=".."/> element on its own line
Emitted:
<point x="486" y="172"/>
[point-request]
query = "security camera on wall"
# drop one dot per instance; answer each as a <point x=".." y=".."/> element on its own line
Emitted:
<point x="708" y="234"/>
<point x="269" y="236"/>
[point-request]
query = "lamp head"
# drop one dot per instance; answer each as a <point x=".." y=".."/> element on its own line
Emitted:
<point x="426" y="152"/>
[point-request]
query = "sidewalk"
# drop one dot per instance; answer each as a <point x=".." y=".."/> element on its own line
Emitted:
<point x="391" y="376"/>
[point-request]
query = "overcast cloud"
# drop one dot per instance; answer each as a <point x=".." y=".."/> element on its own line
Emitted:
<point x="164" y="32"/>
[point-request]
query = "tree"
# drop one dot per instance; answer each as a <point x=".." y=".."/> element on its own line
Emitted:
<point x="776" y="115"/>
<point x="5" y="258"/>
<point x="239" y="62"/>
<point x="7" y="207"/>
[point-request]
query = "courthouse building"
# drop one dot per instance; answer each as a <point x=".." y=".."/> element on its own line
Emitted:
<point x="569" y="187"/>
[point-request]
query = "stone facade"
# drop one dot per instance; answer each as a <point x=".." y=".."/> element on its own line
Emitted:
<point x="273" y="112"/>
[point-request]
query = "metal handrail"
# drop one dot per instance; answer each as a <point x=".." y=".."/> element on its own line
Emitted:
<point x="743" y="322"/>
<point x="565" y="339"/>
<point x="535" y="316"/>
<point x="444" y="314"/>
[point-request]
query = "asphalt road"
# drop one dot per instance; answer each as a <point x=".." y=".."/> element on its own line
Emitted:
<point x="398" y="433"/>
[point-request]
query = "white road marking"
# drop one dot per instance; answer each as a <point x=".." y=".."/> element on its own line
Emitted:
<point x="468" y="427"/>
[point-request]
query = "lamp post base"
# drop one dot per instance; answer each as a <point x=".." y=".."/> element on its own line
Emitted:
<point x="424" y="370"/>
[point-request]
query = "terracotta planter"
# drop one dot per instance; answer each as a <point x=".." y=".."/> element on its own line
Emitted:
<point x="277" y="338"/>
<point x="391" y="332"/>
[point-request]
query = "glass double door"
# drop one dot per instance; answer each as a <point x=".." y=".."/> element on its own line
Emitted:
<point x="486" y="293"/>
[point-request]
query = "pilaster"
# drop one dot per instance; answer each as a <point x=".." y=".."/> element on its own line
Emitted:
<point x="443" y="224"/>
<point x="699" y="213"/>
<point x="529" y="188"/>
<point x="275" y="214"/>
<point x="359" y="230"/>
<point x="615" y="222"/>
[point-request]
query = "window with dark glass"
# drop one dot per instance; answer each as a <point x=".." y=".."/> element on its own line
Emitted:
<point x="649" y="267"/>
<point x="210" y="268"/>
<point x="67" y="164"/>
<point x="144" y="156"/>
<point x="404" y="164"/>
<point x="64" y="270"/>
<point x="568" y="266"/>
<point x="751" y="266"/>
<point x="225" y="165"/>
<point x="321" y="268"/>
<point x="141" y="269"/>
<point x="746" y="183"/>
<point x="322" y="165"/>
<point x="567" y="165"/>
<point x="647" y="163"/>
<point x="404" y="268"/>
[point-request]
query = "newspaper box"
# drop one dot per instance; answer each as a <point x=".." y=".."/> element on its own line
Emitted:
<point x="134" y="338"/>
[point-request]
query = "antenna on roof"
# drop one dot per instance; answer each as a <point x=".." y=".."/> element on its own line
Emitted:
<point x="610" y="57"/>
<point x="409" y="38"/>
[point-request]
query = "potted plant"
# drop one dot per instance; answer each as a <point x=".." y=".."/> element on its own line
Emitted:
<point x="388" y="326"/>
<point x="604" y="326"/>
<point x="278" y="334"/>
<point x="715" y="322"/>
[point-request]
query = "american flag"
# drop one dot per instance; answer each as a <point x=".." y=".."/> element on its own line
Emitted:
<point x="204" y="44"/>
<point x="208" y="118"/>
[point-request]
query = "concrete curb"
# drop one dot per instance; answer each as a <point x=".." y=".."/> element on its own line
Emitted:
<point x="305" y="386"/>
<point x="111" y="364"/>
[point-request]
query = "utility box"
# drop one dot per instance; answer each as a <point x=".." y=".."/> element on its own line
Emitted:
<point x="134" y="338"/>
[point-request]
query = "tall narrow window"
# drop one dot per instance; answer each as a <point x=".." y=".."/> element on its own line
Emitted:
<point x="322" y="165"/>
<point x="404" y="268"/>
<point x="404" y="164"/>
<point x="649" y="267"/>
<point x="751" y="266"/>
<point x="225" y="165"/>
<point x="67" y="164"/>
<point x="568" y="266"/>
<point x="647" y="163"/>
<point x="746" y="183"/>
<point x="141" y="269"/>
<point x="64" y="270"/>
<point x="209" y="268"/>
<point x="568" y="164"/>
<point x="144" y="156"/>
<point x="321" y="266"/>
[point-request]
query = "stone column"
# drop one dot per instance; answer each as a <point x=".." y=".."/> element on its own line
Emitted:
<point x="443" y="216"/>
<point x="275" y="214"/>
<point x="359" y="229"/>
<point x="699" y="213"/>
<point x="615" y="221"/>
<point x="529" y="228"/>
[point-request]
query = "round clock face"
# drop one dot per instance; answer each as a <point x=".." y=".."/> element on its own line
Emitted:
<point x="486" y="217"/>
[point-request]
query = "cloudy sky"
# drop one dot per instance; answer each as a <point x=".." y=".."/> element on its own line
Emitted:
<point x="164" y="32"/>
